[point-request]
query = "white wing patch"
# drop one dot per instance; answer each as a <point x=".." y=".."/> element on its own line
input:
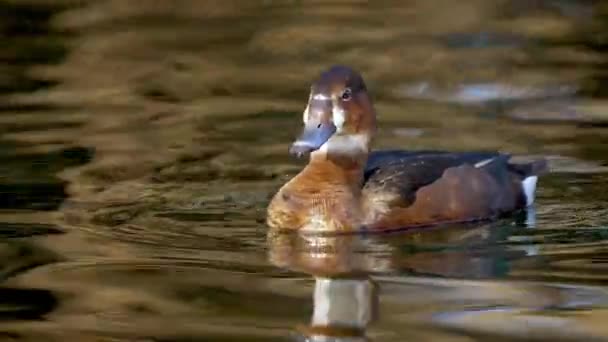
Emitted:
<point x="484" y="162"/>
<point x="528" y="184"/>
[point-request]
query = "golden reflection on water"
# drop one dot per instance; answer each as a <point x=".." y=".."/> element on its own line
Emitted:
<point x="187" y="108"/>
<point x="356" y="286"/>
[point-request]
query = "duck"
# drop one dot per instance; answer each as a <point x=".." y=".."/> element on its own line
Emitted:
<point x="346" y="187"/>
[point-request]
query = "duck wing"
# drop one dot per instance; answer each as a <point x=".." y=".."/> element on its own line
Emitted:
<point x="404" y="172"/>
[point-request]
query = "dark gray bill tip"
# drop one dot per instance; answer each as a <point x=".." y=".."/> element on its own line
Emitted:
<point x="300" y="150"/>
<point x="312" y="138"/>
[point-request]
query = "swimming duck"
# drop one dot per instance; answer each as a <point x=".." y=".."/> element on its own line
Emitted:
<point x="347" y="188"/>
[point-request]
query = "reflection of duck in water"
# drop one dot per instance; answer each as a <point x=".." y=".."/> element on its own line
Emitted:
<point x="341" y="189"/>
<point x="343" y="308"/>
<point x="462" y="251"/>
<point x="345" y="299"/>
<point x="363" y="283"/>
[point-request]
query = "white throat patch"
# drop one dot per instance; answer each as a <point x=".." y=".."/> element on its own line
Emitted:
<point x="346" y="144"/>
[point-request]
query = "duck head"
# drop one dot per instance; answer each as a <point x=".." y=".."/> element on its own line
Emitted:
<point x="339" y="119"/>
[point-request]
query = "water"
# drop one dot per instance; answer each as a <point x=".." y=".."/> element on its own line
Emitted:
<point x="141" y="144"/>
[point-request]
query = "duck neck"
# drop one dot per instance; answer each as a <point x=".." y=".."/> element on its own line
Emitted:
<point x="344" y="171"/>
<point x="340" y="163"/>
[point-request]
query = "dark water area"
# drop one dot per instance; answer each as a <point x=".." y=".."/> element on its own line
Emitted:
<point x="140" y="144"/>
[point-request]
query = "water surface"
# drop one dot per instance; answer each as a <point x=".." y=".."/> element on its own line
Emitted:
<point x="140" y="146"/>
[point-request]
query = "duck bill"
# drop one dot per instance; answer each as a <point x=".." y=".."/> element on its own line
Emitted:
<point x="312" y="138"/>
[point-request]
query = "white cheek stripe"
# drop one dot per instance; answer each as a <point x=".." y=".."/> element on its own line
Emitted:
<point x="305" y="117"/>
<point x="321" y="97"/>
<point x="338" y="116"/>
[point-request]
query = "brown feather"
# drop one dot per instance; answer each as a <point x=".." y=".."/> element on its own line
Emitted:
<point x="338" y="191"/>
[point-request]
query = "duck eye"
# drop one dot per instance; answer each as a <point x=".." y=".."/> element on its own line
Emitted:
<point x="346" y="95"/>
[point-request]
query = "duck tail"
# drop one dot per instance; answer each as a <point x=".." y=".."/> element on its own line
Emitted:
<point x="528" y="173"/>
<point x="533" y="168"/>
